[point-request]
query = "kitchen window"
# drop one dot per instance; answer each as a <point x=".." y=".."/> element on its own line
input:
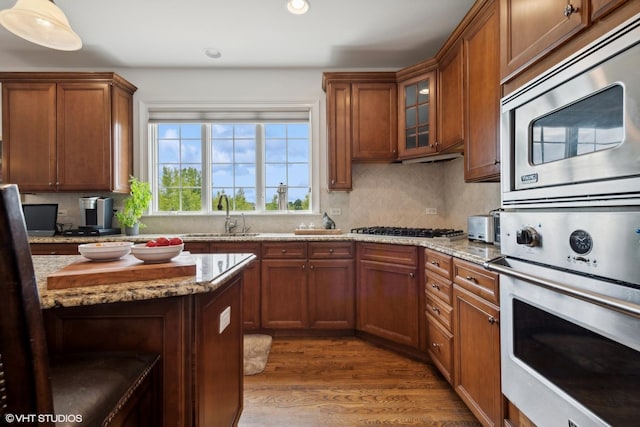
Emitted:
<point x="261" y="160"/>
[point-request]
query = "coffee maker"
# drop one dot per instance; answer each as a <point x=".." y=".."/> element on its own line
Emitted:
<point x="96" y="215"/>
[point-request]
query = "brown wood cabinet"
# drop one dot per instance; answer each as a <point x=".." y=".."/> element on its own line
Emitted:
<point x="201" y="368"/>
<point x="314" y="292"/>
<point x="417" y="126"/>
<point x="476" y="339"/>
<point x="54" y="249"/>
<point x="532" y="28"/>
<point x="482" y="94"/>
<point x="67" y="131"/>
<point x="536" y="35"/>
<point x="387" y="292"/>
<point x="439" y="311"/>
<point x="451" y="102"/>
<point x="361" y="122"/>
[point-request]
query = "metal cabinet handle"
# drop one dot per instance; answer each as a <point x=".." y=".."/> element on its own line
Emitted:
<point x="304" y="266"/>
<point x="435" y="286"/>
<point x="436" y="263"/>
<point x="569" y="10"/>
<point x="331" y="250"/>
<point x="492" y="320"/>
<point x="310" y="267"/>
<point x="436" y="346"/>
<point x="284" y="251"/>
<point x="435" y="309"/>
<point x="412" y="275"/>
<point x="472" y="279"/>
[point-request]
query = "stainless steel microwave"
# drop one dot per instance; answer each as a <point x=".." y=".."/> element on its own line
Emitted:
<point x="571" y="136"/>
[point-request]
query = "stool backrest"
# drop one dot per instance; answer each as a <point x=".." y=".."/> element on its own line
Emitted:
<point x="24" y="364"/>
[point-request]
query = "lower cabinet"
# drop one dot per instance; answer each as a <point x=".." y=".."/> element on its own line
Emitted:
<point x="477" y="341"/>
<point x="387" y="292"/>
<point x="201" y="367"/>
<point x="307" y="286"/>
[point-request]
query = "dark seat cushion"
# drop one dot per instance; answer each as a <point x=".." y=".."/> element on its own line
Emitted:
<point x="96" y="385"/>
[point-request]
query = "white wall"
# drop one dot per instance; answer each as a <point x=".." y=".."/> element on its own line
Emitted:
<point x="383" y="194"/>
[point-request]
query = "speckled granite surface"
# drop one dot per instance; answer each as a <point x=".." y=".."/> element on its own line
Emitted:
<point x="212" y="271"/>
<point x="462" y="248"/>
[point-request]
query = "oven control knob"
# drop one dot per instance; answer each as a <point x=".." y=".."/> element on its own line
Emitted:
<point x="528" y="236"/>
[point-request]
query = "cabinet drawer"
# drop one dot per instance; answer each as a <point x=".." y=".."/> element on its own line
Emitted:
<point x="394" y="254"/>
<point x="331" y="250"/>
<point x="440" y="342"/>
<point x="284" y="250"/>
<point x="438" y="263"/>
<point x="438" y="286"/>
<point x="440" y="311"/>
<point x="54" y="249"/>
<point x="477" y="280"/>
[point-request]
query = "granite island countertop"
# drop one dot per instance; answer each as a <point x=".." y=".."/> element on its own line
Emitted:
<point x="475" y="252"/>
<point x="212" y="271"/>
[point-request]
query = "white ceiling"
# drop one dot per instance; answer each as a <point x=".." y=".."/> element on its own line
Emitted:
<point x="334" y="34"/>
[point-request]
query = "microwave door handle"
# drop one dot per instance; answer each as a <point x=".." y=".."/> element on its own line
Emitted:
<point x="593" y="297"/>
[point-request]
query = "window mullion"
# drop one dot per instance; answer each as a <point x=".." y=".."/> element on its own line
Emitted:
<point x="207" y="179"/>
<point x="260" y="169"/>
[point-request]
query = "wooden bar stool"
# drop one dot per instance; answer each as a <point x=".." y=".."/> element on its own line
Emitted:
<point x="88" y="389"/>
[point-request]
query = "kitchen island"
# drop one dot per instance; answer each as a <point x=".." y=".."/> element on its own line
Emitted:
<point x="193" y="322"/>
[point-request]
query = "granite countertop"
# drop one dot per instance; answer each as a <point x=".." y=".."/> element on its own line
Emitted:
<point x="212" y="271"/>
<point x="475" y="252"/>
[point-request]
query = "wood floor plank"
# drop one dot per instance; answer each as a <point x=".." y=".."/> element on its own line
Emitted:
<point x="323" y="382"/>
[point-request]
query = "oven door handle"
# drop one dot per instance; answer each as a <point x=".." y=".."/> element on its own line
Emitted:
<point x="593" y="297"/>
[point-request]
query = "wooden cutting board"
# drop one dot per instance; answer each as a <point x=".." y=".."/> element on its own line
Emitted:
<point x="126" y="269"/>
<point x="317" y="231"/>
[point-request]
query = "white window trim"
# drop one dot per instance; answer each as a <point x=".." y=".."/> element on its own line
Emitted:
<point x="143" y="166"/>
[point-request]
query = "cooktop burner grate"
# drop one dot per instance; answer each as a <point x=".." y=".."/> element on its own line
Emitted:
<point x="447" y="233"/>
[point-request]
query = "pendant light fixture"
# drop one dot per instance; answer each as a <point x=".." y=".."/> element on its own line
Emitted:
<point x="298" y="7"/>
<point x="40" y="22"/>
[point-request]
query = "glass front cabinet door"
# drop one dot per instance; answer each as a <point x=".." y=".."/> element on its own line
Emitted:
<point x="417" y="116"/>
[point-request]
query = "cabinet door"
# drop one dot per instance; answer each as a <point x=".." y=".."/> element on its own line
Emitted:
<point x="476" y="355"/>
<point x="451" y="100"/>
<point x="374" y="119"/>
<point x="339" y="135"/>
<point x="284" y="293"/>
<point x="331" y="294"/>
<point x="29" y="151"/>
<point x="387" y="299"/>
<point x="218" y="357"/>
<point x="417" y="116"/>
<point x="600" y="8"/>
<point x="482" y="145"/>
<point x="84" y="136"/>
<point x="529" y="29"/>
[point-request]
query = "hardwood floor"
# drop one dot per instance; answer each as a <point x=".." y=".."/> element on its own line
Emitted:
<point x="343" y="382"/>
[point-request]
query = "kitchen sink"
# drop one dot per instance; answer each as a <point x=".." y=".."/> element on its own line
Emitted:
<point x="218" y="234"/>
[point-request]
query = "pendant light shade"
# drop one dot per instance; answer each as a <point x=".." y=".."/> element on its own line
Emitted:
<point x="40" y="22"/>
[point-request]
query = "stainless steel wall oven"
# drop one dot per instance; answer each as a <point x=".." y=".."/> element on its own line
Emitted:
<point x="570" y="238"/>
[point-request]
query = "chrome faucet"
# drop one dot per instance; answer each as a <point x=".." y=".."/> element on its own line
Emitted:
<point x="229" y="224"/>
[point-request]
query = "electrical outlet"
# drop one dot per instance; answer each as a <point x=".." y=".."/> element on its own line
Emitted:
<point x="225" y="319"/>
<point x="335" y="211"/>
<point x="431" y="211"/>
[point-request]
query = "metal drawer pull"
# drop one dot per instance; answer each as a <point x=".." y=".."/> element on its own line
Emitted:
<point x="436" y="346"/>
<point x="435" y="286"/>
<point x="435" y="309"/>
<point x="472" y="279"/>
<point x="331" y="250"/>
<point x="284" y="251"/>
<point x="569" y="10"/>
<point x="492" y="320"/>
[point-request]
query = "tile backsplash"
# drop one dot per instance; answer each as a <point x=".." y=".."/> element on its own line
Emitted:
<point x="383" y="194"/>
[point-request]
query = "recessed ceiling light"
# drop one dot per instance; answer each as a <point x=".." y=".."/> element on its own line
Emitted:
<point x="212" y="53"/>
<point x="298" y="7"/>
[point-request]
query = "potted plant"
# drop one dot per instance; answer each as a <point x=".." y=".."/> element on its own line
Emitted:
<point x="134" y="206"/>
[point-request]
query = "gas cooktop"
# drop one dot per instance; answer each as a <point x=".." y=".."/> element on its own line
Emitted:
<point x="441" y="233"/>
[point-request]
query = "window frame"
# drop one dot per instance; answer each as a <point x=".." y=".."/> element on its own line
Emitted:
<point x="147" y="149"/>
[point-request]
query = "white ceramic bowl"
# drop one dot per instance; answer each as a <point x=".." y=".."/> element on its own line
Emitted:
<point x="156" y="253"/>
<point x="105" y="251"/>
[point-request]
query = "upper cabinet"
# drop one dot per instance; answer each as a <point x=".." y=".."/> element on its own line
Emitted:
<point x="361" y="122"/>
<point x="531" y="28"/>
<point x="67" y="131"/>
<point x="451" y="105"/>
<point x="417" y="116"/>
<point x="483" y="91"/>
<point x="535" y="35"/>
